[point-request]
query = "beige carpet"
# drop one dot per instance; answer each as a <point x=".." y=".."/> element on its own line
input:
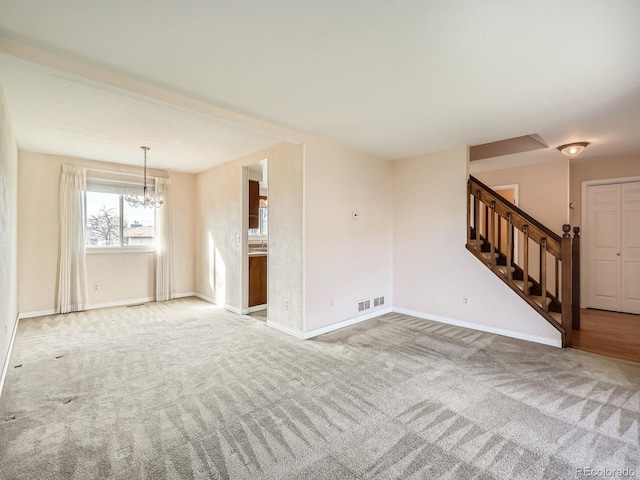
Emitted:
<point x="184" y="389"/>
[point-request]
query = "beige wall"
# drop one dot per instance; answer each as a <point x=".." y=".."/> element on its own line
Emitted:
<point x="122" y="277"/>
<point x="218" y="230"/>
<point x="346" y="260"/>
<point x="8" y="232"/>
<point x="286" y="236"/>
<point x="583" y="170"/>
<point x="543" y="193"/>
<point x="184" y="217"/>
<point x="542" y="189"/>
<point x="432" y="270"/>
<point x="221" y="227"/>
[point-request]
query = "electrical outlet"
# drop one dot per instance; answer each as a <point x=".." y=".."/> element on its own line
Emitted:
<point x="286" y="304"/>
<point x="332" y="303"/>
<point x="466" y="301"/>
<point x="96" y="287"/>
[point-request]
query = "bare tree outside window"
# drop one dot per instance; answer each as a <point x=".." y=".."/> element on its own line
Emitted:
<point x="103" y="227"/>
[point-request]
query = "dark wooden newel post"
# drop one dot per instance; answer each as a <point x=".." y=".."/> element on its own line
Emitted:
<point x="575" y="273"/>
<point x="566" y="285"/>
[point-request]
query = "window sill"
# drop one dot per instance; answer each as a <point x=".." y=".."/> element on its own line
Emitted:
<point x="100" y="250"/>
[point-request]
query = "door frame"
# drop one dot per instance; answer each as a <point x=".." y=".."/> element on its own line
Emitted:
<point x="584" y="230"/>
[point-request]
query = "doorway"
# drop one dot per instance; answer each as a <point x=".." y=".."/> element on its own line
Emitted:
<point x="611" y="233"/>
<point x="256" y="239"/>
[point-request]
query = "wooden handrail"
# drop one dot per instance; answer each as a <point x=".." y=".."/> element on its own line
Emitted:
<point x="519" y="218"/>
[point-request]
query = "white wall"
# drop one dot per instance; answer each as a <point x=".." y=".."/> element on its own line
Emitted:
<point x="121" y="277"/>
<point x="221" y="258"/>
<point x="8" y="232"/>
<point x="346" y="260"/>
<point x="432" y="270"/>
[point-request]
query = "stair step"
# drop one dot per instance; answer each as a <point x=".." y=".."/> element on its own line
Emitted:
<point x="520" y="284"/>
<point x="475" y="242"/>
<point x="556" y="316"/>
<point x="487" y="255"/>
<point x="503" y="269"/>
<point x="538" y="299"/>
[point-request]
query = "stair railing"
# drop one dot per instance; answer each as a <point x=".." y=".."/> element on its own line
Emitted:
<point x="502" y="225"/>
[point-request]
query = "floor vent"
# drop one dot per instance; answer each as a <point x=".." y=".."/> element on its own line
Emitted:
<point x="378" y="301"/>
<point x="364" y="305"/>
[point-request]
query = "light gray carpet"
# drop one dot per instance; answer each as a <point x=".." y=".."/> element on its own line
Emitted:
<point x="184" y="389"/>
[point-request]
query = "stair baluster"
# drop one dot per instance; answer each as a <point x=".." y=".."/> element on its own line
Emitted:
<point x="525" y="259"/>
<point x="469" y="213"/>
<point x="543" y="273"/>
<point x="476" y="218"/>
<point x="509" y="247"/>
<point x="500" y="246"/>
<point x="486" y="221"/>
<point x="492" y="240"/>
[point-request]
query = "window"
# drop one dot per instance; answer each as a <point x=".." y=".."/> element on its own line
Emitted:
<point x="112" y="222"/>
<point x="263" y="214"/>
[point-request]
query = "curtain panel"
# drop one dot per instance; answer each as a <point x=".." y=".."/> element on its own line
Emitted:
<point x="164" y="242"/>
<point x="72" y="281"/>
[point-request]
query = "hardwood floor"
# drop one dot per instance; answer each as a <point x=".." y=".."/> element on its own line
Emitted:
<point x="611" y="334"/>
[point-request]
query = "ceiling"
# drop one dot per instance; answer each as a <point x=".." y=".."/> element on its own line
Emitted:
<point x="391" y="78"/>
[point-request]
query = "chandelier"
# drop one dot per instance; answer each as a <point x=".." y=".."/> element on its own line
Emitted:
<point x="149" y="199"/>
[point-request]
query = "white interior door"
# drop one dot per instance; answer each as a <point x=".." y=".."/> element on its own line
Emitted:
<point x="630" y="251"/>
<point x="603" y="247"/>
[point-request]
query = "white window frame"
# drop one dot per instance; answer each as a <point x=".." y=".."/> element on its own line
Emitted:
<point x="120" y="248"/>
<point x="260" y="228"/>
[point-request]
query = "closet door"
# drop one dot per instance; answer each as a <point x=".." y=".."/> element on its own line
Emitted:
<point x="630" y="248"/>
<point x="603" y="247"/>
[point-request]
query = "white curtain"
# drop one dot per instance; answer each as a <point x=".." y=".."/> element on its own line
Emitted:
<point x="164" y="242"/>
<point x="72" y="283"/>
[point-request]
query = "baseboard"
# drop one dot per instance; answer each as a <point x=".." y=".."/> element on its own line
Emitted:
<point x="117" y="303"/>
<point x="255" y="308"/>
<point x="529" y="337"/>
<point x="36" y="313"/>
<point x="5" y="367"/>
<point x="226" y="306"/>
<point x="205" y="298"/>
<point x="184" y="295"/>
<point x="288" y="330"/>
<point x="233" y="309"/>
<point x="345" y="323"/>
<point x="121" y="303"/>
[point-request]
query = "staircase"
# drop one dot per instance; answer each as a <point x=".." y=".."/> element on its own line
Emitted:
<point x="536" y="263"/>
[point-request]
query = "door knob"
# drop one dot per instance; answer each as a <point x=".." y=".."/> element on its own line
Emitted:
<point x="617" y="254"/>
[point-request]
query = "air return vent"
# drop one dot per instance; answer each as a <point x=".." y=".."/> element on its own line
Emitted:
<point x="378" y="301"/>
<point x="364" y="305"/>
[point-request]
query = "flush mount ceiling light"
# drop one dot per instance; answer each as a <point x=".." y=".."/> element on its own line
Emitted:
<point x="149" y="199"/>
<point x="573" y="149"/>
